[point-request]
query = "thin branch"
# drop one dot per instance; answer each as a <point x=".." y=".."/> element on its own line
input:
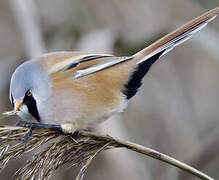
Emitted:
<point x="62" y="149"/>
<point x="156" y="155"/>
<point x="162" y="157"/>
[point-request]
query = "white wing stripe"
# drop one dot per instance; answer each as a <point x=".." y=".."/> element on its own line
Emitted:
<point x="99" y="66"/>
<point x="74" y="61"/>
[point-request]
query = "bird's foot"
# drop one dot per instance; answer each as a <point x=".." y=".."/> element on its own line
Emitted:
<point x="27" y="135"/>
<point x="31" y="126"/>
<point x="76" y="134"/>
<point x="37" y="125"/>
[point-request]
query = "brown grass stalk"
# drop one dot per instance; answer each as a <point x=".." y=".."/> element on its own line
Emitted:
<point x="60" y="149"/>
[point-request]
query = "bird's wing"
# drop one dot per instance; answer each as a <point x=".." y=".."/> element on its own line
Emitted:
<point x="66" y="60"/>
<point x="80" y="64"/>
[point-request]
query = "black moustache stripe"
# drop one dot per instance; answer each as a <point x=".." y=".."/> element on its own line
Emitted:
<point x="12" y="101"/>
<point x="30" y="102"/>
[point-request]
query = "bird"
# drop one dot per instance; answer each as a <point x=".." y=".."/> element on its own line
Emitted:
<point x="73" y="91"/>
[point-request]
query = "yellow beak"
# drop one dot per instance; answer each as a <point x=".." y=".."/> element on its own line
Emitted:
<point x="17" y="105"/>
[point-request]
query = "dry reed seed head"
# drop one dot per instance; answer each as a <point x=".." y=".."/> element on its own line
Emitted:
<point x="60" y="149"/>
<point x="57" y="149"/>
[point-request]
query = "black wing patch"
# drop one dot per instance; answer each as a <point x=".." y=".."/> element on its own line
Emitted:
<point x="135" y="80"/>
<point x="85" y="59"/>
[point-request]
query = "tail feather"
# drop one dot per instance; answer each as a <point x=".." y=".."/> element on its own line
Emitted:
<point x="146" y="57"/>
<point x="168" y="42"/>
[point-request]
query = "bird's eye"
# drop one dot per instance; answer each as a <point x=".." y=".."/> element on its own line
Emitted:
<point x="29" y="93"/>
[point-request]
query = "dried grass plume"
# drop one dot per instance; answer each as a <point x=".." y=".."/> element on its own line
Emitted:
<point x="60" y="149"/>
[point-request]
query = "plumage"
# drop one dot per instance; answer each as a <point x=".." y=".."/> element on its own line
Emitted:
<point x="183" y="33"/>
<point x="135" y="80"/>
<point x="85" y="89"/>
<point x="30" y="102"/>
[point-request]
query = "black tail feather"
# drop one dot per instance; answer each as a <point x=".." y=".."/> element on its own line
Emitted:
<point x="135" y="80"/>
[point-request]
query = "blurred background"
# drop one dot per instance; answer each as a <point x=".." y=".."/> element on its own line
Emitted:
<point x="175" y="111"/>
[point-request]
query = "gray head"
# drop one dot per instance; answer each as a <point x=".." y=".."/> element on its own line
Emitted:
<point x="29" y="89"/>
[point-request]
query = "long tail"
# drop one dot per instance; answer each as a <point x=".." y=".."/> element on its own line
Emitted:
<point x="146" y="57"/>
<point x="173" y="39"/>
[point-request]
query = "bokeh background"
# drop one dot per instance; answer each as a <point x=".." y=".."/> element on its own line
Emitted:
<point x="176" y="110"/>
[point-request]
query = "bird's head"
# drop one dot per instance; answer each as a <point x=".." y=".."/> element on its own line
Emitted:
<point x="29" y="90"/>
